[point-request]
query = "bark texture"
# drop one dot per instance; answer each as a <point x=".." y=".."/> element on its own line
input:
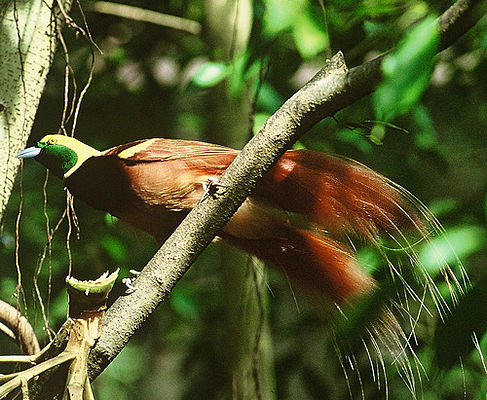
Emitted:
<point x="27" y="44"/>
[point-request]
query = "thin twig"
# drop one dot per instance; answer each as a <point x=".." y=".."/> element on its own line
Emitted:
<point x="141" y="14"/>
<point x="7" y="331"/>
<point x="35" y="371"/>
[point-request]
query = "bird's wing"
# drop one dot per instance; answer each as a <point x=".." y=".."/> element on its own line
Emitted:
<point x="147" y="150"/>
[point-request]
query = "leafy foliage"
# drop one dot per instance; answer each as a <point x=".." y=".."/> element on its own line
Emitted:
<point x="407" y="71"/>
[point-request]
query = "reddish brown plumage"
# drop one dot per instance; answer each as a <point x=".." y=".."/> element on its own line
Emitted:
<point x="154" y="187"/>
<point x="317" y="262"/>
<point x="342" y="195"/>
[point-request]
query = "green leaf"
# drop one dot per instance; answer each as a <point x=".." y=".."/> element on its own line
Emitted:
<point x="372" y="28"/>
<point x="356" y="139"/>
<point x="377" y="134"/>
<point x="281" y="15"/>
<point x="426" y="136"/>
<point x="407" y="71"/>
<point x="129" y="365"/>
<point x="269" y="98"/>
<point x="360" y="314"/>
<point x="110" y="220"/>
<point x="8" y="287"/>
<point x="370" y="259"/>
<point x="458" y="242"/>
<point x="299" y="146"/>
<point x="184" y="303"/>
<point x="210" y="74"/>
<point x="309" y="37"/>
<point x="118" y="56"/>
<point x="443" y="206"/>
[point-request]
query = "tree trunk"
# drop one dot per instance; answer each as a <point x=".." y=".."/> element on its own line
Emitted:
<point x="27" y="44"/>
<point x="244" y="291"/>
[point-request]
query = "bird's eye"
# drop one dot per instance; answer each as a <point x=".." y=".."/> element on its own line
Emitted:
<point x="52" y="141"/>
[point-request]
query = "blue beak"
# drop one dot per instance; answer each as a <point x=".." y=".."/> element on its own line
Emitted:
<point x="29" y="152"/>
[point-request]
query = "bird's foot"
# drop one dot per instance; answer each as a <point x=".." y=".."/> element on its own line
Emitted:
<point x="129" y="282"/>
<point x="212" y="187"/>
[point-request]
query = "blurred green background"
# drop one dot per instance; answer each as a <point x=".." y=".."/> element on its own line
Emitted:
<point x="154" y="81"/>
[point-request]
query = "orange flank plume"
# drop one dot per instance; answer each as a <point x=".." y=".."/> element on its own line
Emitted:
<point x="341" y="195"/>
<point x="316" y="262"/>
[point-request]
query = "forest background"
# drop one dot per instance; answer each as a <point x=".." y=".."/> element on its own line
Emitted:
<point x="217" y="77"/>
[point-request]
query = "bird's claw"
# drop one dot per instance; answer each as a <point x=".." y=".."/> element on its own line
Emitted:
<point x="129" y="282"/>
<point x="212" y="187"/>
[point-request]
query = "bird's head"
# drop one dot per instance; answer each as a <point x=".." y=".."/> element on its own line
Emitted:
<point x="62" y="155"/>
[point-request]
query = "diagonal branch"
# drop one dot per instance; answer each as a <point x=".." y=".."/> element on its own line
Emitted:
<point x="141" y="14"/>
<point x="332" y="89"/>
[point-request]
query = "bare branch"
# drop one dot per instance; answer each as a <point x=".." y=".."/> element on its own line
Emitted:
<point x="144" y="15"/>
<point x="458" y="19"/>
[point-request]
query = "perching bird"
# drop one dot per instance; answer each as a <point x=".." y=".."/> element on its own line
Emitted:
<point x="152" y="184"/>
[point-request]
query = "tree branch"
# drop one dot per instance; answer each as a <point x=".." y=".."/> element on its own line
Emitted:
<point x="332" y="89"/>
<point x="20" y="327"/>
<point x="144" y="15"/>
<point x="458" y="19"/>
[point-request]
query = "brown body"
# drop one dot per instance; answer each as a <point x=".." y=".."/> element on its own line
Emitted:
<point x="152" y="184"/>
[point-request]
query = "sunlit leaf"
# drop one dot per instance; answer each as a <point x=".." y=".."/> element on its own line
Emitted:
<point x="443" y="206"/>
<point x="426" y="135"/>
<point x="407" y="71"/>
<point x="210" y="74"/>
<point x="281" y="15"/>
<point x="110" y="219"/>
<point x="309" y="37"/>
<point x="377" y="134"/>
<point x="458" y="242"/>
<point x="299" y="146"/>
<point x="369" y="259"/>
<point x="269" y="98"/>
